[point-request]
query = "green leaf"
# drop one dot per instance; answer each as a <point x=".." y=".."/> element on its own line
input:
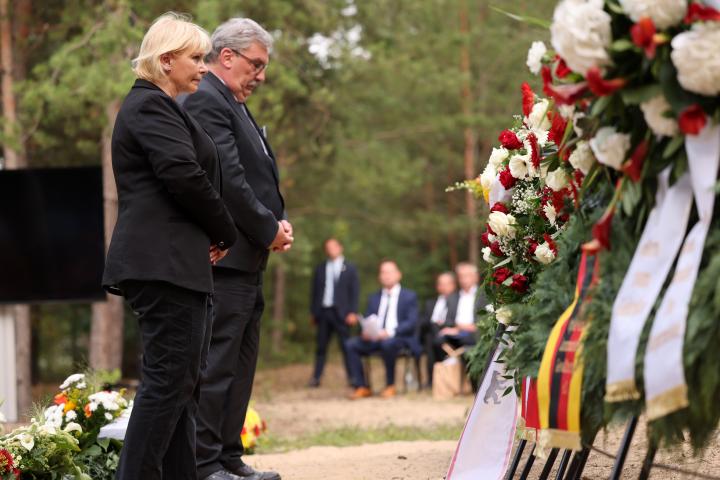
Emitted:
<point x="622" y="45"/>
<point x="615" y="8"/>
<point x="507" y="391"/>
<point x="600" y="105"/>
<point x="635" y="96"/>
<point x="717" y="190"/>
<point x="673" y="146"/>
<point x="544" y="24"/>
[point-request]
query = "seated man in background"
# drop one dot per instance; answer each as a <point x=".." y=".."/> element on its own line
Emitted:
<point x="439" y="313"/>
<point x="460" y="330"/>
<point x="394" y="312"/>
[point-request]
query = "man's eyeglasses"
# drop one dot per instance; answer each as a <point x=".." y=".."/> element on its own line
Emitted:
<point x="258" y="65"/>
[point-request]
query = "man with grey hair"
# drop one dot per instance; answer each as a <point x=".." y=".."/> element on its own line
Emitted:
<point x="237" y="63"/>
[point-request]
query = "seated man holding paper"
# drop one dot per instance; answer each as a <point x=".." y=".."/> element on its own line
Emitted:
<point x="389" y="326"/>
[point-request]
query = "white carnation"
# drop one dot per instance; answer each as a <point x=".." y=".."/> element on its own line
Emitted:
<point x="557" y="180"/>
<point x="550" y="213"/>
<point x="70" y="415"/>
<point x="519" y="166"/>
<point x="502" y="224"/>
<point x="487" y="255"/>
<point x="581" y="34"/>
<point x="538" y="119"/>
<point x="610" y="147"/>
<point x="535" y="55"/>
<point x="582" y="157"/>
<point x="503" y="315"/>
<point x="655" y="111"/>
<point x="498" y="156"/>
<point x="696" y="56"/>
<point x="544" y="254"/>
<point x="663" y="13"/>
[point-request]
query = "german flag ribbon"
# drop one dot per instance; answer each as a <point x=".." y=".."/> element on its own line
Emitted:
<point x="559" y="383"/>
<point x="529" y="409"/>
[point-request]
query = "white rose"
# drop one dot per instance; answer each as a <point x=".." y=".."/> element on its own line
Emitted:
<point x="538" y="119"/>
<point x="582" y="157"/>
<point x="72" y="427"/>
<point x="503" y="315"/>
<point x="557" y="180"/>
<point x="655" y="111"/>
<point x="610" y="147"/>
<point x="581" y="34"/>
<point x="487" y="255"/>
<point x="696" y="56"/>
<point x="502" y="224"/>
<point x="663" y="13"/>
<point x="544" y="254"/>
<point x="550" y="213"/>
<point x="535" y="55"/>
<point x="518" y="166"/>
<point x="498" y="156"/>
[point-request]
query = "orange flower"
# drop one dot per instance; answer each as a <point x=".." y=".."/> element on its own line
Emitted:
<point x="60" y="398"/>
<point x="69" y="406"/>
<point x="88" y="412"/>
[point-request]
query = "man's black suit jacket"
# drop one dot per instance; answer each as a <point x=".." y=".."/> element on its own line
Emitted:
<point x="452" y="303"/>
<point x="250" y="177"/>
<point x="346" y="292"/>
<point x="169" y="211"/>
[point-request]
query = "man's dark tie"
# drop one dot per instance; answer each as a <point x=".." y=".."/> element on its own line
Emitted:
<point x="387" y="309"/>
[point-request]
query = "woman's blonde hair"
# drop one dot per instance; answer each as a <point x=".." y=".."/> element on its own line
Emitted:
<point x="170" y="33"/>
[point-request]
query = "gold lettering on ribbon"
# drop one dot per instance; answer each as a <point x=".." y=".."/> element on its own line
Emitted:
<point x="642" y="279"/>
<point x="650" y="249"/>
<point x="684" y="274"/>
<point x="630" y="307"/>
<point x="669" y="334"/>
<point x="689" y="247"/>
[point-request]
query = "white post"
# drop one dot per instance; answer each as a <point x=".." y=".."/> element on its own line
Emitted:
<point x="8" y="379"/>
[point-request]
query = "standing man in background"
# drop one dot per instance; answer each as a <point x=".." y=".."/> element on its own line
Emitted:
<point x="333" y="304"/>
<point x="237" y="63"/>
<point x="439" y="313"/>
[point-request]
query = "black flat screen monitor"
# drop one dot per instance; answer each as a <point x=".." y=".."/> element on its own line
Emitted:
<point x="51" y="235"/>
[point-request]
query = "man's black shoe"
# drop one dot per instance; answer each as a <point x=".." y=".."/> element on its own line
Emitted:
<point x="222" y="475"/>
<point x="313" y="383"/>
<point x="246" y="472"/>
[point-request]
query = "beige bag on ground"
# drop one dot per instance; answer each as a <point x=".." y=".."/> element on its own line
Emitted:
<point x="449" y="379"/>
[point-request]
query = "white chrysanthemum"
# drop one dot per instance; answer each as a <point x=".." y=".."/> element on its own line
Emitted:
<point x="663" y="13"/>
<point x="550" y="213"/>
<point x="72" y="427"/>
<point x="544" y="254"/>
<point x="487" y="255"/>
<point x="70" y="415"/>
<point x="502" y="224"/>
<point x="696" y="56"/>
<point x="54" y="415"/>
<point x="656" y="112"/>
<point x="538" y="119"/>
<point x="27" y="441"/>
<point x="582" y="157"/>
<point x="498" y="156"/>
<point x="581" y="34"/>
<point x="610" y="147"/>
<point x="503" y="315"/>
<point x="535" y="55"/>
<point x="556" y="180"/>
<point x="76" y="378"/>
<point x="518" y="166"/>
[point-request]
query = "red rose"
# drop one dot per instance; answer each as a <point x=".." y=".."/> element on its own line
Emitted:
<point x="562" y="94"/>
<point x="501" y="274"/>
<point x="506" y="179"/>
<point x="601" y="87"/>
<point x="643" y="35"/>
<point x="499" y="207"/>
<point x="528" y="98"/>
<point x="557" y="130"/>
<point x="697" y="12"/>
<point x="509" y="140"/>
<point x="484" y="239"/>
<point x="633" y="167"/>
<point x="561" y="68"/>
<point x="692" y="120"/>
<point x="495" y="249"/>
<point x="519" y="283"/>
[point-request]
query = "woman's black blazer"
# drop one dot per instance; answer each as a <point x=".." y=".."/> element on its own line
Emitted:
<point x="169" y="210"/>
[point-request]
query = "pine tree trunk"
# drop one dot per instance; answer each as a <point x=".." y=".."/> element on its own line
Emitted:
<point x="106" y="333"/>
<point x="278" y="313"/>
<point x="469" y="135"/>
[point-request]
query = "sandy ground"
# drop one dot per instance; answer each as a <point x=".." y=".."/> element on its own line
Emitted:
<point x="293" y="410"/>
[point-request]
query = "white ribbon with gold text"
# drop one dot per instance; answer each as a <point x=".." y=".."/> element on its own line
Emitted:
<point x="665" y="387"/>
